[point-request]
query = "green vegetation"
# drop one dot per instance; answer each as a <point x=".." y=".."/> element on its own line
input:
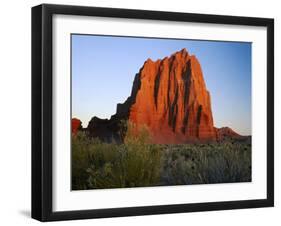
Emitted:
<point x="136" y="163"/>
<point x="206" y="163"/>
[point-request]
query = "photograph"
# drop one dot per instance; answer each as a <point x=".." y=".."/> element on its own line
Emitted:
<point x="151" y="111"/>
<point x="143" y="111"/>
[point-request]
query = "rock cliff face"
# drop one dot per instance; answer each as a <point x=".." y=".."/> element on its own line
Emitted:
<point x="172" y="100"/>
<point x="169" y="96"/>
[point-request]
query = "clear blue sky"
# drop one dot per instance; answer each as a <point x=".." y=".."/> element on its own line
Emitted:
<point x="103" y="69"/>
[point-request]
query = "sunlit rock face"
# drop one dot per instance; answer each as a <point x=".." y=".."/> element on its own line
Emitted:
<point x="170" y="98"/>
<point x="76" y="125"/>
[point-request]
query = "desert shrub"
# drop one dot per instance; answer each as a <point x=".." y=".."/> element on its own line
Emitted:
<point x="110" y="165"/>
<point x="80" y="160"/>
<point x="138" y="163"/>
<point x="136" y="134"/>
<point x="206" y="163"/>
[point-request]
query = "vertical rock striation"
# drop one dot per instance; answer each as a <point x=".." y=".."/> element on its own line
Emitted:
<point x="170" y="97"/>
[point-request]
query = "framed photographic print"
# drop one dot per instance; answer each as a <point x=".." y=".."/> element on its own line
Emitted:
<point x="146" y="112"/>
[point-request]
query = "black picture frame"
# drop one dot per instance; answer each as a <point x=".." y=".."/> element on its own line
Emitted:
<point x="42" y="111"/>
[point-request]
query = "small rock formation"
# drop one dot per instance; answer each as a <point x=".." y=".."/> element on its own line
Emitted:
<point x="226" y="133"/>
<point x="170" y="98"/>
<point x="76" y="125"/>
<point x="105" y="129"/>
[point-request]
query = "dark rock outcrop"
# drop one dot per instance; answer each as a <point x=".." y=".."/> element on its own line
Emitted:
<point x="105" y="129"/>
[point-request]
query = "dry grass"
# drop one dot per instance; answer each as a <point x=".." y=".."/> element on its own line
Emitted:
<point x="136" y="163"/>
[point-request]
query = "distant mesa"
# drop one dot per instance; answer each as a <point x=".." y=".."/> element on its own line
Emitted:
<point x="170" y="98"/>
<point x="226" y="133"/>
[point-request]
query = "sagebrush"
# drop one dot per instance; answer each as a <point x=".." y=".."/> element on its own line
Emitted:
<point x="138" y="163"/>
